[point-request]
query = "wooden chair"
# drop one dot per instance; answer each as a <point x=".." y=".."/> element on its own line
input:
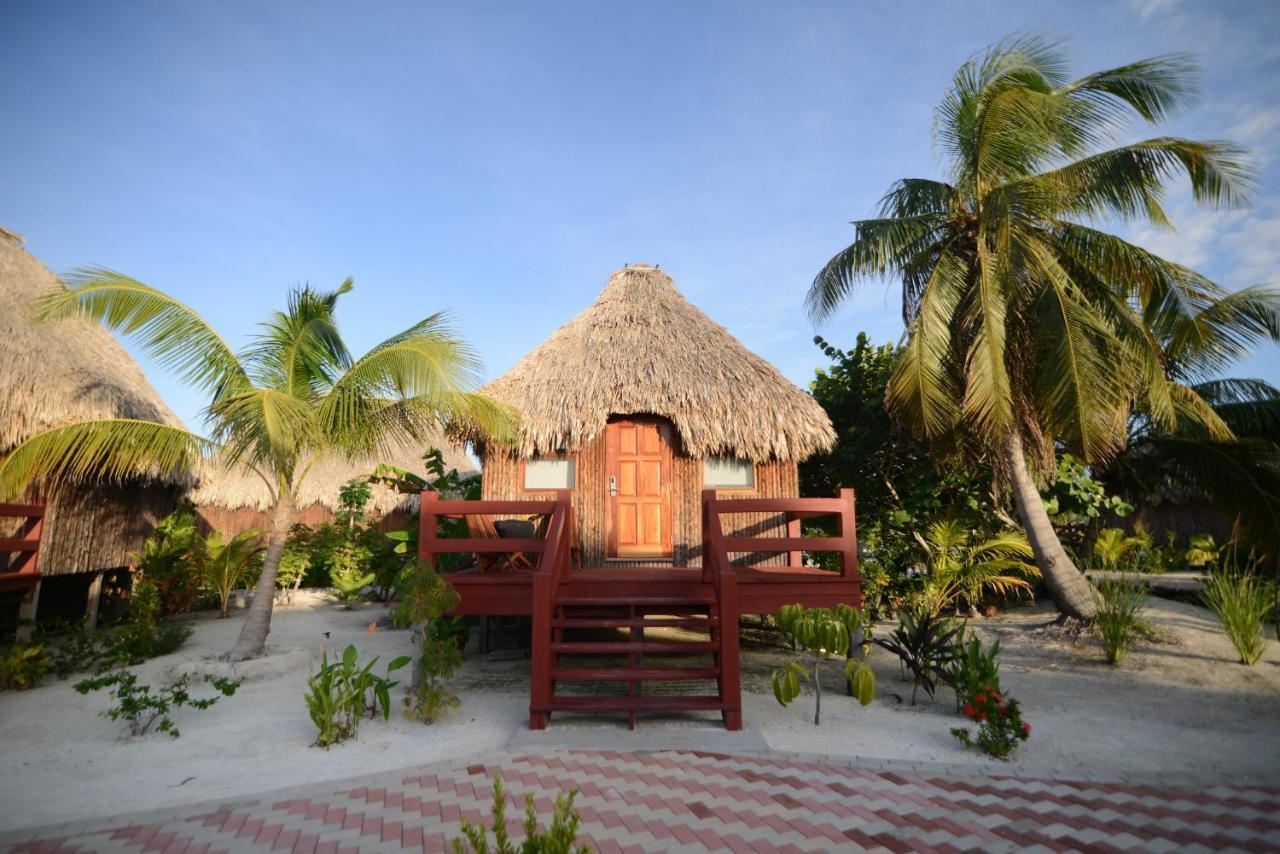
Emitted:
<point x="481" y="528"/>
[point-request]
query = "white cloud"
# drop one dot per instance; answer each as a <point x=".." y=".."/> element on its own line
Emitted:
<point x="1148" y="9"/>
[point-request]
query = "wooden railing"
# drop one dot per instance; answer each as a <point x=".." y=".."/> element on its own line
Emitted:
<point x="26" y="545"/>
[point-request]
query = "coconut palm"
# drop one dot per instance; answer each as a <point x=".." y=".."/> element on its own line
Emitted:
<point x="292" y="396"/>
<point x="1028" y="330"/>
<point x="961" y="567"/>
<point x="227" y="561"/>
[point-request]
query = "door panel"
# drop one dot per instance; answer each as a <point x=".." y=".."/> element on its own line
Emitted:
<point x="639" y="467"/>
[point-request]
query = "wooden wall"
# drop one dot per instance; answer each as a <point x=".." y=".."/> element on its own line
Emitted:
<point x="231" y="522"/>
<point x="503" y="479"/>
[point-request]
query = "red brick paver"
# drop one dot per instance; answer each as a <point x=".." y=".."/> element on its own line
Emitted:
<point x="678" y="801"/>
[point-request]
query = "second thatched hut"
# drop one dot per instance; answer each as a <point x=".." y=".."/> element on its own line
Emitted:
<point x="634" y="407"/>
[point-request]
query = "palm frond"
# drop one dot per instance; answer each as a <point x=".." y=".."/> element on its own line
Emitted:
<point x="300" y="351"/>
<point x="880" y="247"/>
<point x="109" y="450"/>
<point x="1152" y="88"/>
<point x="167" y="330"/>
<point x="1250" y="407"/>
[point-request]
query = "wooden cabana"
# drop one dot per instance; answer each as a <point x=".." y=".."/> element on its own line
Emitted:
<point x="662" y="457"/>
<point x="235" y="499"/>
<point x="56" y="374"/>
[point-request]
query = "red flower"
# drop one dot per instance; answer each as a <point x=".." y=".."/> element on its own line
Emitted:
<point x="980" y="698"/>
<point x="968" y="710"/>
<point x="1004" y="710"/>
<point x="982" y="716"/>
<point x="1026" y="729"/>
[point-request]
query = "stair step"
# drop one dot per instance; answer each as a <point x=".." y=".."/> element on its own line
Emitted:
<point x="633" y="704"/>
<point x="571" y="647"/>
<point x="695" y="622"/>
<point x="568" y="596"/>
<point x="637" y="674"/>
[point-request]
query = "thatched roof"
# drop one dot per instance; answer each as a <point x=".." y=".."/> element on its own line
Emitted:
<point x="59" y="373"/>
<point x="237" y="488"/>
<point x="641" y="347"/>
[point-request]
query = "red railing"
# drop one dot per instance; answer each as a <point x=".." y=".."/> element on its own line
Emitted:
<point x="26" y="545"/>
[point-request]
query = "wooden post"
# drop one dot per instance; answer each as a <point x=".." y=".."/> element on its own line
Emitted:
<point x="848" y="533"/>
<point x="794" y="532"/>
<point x="91" y="607"/>
<point x="427" y="526"/>
<point x="709" y="511"/>
<point x="27" y="612"/>
<point x="730" y="677"/>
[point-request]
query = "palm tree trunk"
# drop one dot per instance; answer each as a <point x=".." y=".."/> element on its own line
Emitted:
<point x="257" y="623"/>
<point x="1071" y="591"/>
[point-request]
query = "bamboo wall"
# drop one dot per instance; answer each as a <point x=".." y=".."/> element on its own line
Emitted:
<point x="230" y="522"/>
<point x="502" y="480"/>
<point x="90" y="529"/>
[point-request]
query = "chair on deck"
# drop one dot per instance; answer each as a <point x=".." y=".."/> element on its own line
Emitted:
<point x="482" y="528"/>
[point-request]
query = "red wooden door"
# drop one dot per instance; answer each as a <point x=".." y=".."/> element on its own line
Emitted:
<point x="638" y="466"/>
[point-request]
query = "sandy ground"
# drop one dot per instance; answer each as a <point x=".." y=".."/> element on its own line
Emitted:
<point x="1178" y="706"/>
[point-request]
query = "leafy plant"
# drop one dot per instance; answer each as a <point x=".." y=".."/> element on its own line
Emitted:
<point x="822" y="633"/>
<point x="425" y="599"/>
<point x="1113" y="544"/>
<point x="349" y="584"/>
<point x="960" y="568"/>
<point x="558" y="839"/>
<point x="1242" y="600"/>
<point x="171" y="559"/>
<point x="227" y="562"/>
<point x="973" y="669"/>
<point x="1119" y="619"/>
<point x="342" y="693"/>
<point x="1202" y="549"/>
<point x="141" y="706"/>
<point x="23" y="665"/>
<point x="926" y="645"/>
<point x="1000" y="724"/>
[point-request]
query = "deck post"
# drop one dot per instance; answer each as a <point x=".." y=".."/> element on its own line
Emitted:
<point x="27" y="612"/>
<point x="427" y="526"/>
<point x="794" y="532"/>
<point x="730" y="677"/>
<point x="91" y="606"/>
<point x="848" y="533"/>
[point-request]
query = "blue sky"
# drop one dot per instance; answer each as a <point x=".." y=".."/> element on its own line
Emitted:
<point x="500" y="160"/>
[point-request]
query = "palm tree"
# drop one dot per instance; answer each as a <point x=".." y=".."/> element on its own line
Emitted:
<point x="1027" y="330"/>
<point x="960" y="568"/>
<point x="292" y="396"/>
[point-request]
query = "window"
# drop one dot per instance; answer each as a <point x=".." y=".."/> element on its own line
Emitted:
<point x="728" y="473"/>
<point x="549" y="473"/>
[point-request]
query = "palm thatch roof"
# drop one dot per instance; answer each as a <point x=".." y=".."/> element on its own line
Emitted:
<point x="56" y="374"/>
<point x="236" y="487"/>
<point x="641" y="347"/>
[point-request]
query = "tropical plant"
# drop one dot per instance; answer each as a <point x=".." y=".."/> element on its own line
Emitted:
<point x="557" y="839"/>
<point x="999" y="720"/>
<point x="23" y="665"/>
<point x="1119" y="619"/>
<point x="141" y="707"/>
<point x="1113" y="544"/>
<point x="171" y="559"/>
<point x="425" y="598"/>
<point x="349" y="584"/>
<point x="1242" y="600"/>
<point x="1027" y="329"/>
<point x="821" y="633"/>
<point x="927" y="645"/>
<point x="293" y="396"/>
<point x="960" y="569"/>
<point x="1202" y="549"/>
<point x="227" y="562"/>
<point x="342" y="693"/>
<point x="974" y="668"/>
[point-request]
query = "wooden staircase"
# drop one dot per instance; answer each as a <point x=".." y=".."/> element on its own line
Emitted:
<point x="611" y="649"/>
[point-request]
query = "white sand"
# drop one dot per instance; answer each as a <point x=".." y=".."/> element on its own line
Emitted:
<point x="1181" y="708"/>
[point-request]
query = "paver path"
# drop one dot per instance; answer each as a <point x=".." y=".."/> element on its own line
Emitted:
<point x="689" y="801"/>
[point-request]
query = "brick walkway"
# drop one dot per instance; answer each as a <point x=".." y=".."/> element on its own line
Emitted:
<point x="681" y="801"/>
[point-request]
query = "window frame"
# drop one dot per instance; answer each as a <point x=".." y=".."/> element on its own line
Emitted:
<point x="571" y="458"/>
<point x="751" y="488"/>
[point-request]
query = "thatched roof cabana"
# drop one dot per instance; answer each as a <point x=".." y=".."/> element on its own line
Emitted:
<point x="236" y="499"/>
<point x="59" y="373"/>
<point x="642" y="347"/>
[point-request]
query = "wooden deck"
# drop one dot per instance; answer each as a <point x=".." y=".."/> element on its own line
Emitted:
<point x="563" y="600"/>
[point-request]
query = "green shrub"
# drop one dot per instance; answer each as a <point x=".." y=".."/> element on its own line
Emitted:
<point x="228" y="562"/>
<point x="349" y="584"/>
<point x="558" y="839"/>
<point x="974" y="668"/>
<point x="342" y="693"/>
<point x="170" y="560"/>
<point x="1119" y="620"/>
<point x="23" y="665"/>
<point x="1242" y="600"/>
<point x="821" y="633"/>
<point x="141" y="706"/>
<point x="999" y="720"/>
<point x="425" y="598"/>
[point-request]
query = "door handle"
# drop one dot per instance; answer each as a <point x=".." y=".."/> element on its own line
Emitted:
<point x="613" y="485"/>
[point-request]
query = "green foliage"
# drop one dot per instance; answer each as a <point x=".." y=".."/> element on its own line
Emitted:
<point x="228" y="562"/>
<point x="1202" y="549"/>
<point x="141" y="706"/>
<point x="349" y="584"/>
<point x="822" y="633"/>
<point x="962" y="567"/>
<point x="72" y="648"/>
<point x="342" y="693"/>
<point x="353" y="497"/>
<point x="23" y="665"/>
<point x="974" y="668"/>
<point x="1119" y="620"/>
<point x="999" y="719"/>
<point x="1074" y="495"/>
<point x="425" y="599"/>
<point x="171" y="559"/>
<point x="926" y="644"/>
<point x="1242" y="600"/>
<point x="446" y="481"/>
<point x="558" y="839"/>
<point x="1113" y="545"/>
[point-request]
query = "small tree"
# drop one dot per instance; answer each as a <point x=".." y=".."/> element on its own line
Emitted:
<point x="227" y="562"/>
<point x="821" y="633"/>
